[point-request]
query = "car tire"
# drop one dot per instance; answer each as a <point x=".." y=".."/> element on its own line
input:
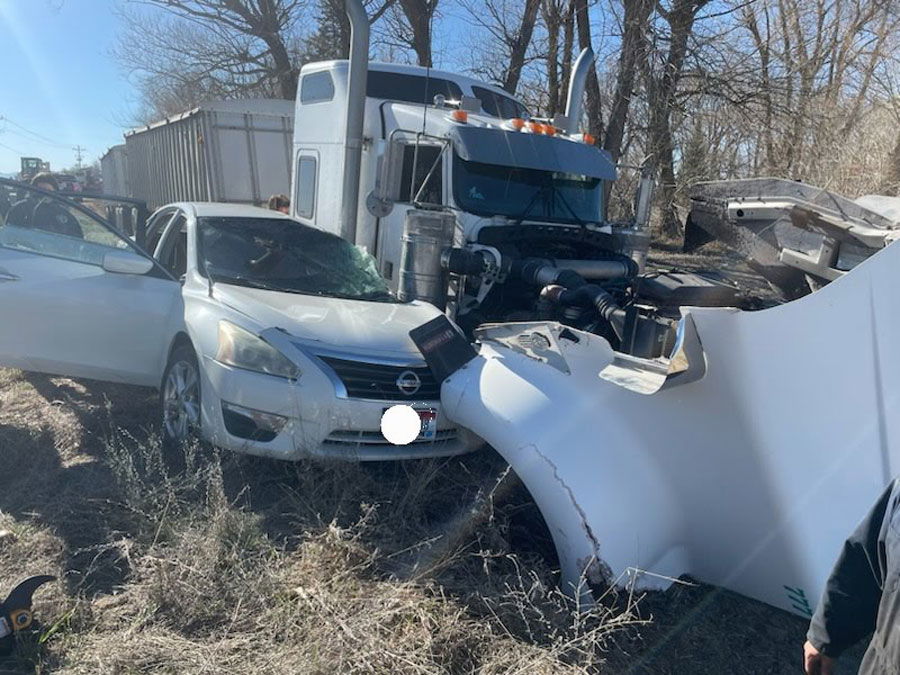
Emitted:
<point x="179" y="398"/>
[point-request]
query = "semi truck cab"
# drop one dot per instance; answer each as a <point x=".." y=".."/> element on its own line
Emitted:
<point x="465" y="161"/>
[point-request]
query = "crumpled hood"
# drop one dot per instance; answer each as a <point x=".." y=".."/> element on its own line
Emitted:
<point x="355" y="325"/>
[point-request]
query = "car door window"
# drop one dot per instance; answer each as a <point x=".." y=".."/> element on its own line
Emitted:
<point x="41" y="223"/>
<point x="173" y="249"/>
<point x="156" y="226"/>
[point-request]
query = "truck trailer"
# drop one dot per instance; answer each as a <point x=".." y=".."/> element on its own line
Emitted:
<point x="223" y="151"/>
<point x="114" y="170"/>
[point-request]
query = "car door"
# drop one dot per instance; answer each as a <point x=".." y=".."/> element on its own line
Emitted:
<point x="77" y="297"/>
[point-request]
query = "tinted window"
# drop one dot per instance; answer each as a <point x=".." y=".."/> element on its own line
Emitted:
<point x="409" y="88"/>
<point x="316" y="87"/>
<point x="306" y="187"/>
<point x="491" y="189"/>
<point x="498" y="105"/>
<point x="427" y="157"/>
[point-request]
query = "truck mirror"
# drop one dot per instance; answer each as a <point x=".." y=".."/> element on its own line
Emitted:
<point x="380" y="201"/>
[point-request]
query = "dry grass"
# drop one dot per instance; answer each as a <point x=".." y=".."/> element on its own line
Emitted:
<point x="215" y="563"/>
<point x="203" y="562"/>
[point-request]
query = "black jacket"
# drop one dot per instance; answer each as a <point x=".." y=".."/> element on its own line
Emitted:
<point x="862" y="592"/>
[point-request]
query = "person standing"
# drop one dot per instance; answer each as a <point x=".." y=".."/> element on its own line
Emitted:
<point x="862" y="596"/>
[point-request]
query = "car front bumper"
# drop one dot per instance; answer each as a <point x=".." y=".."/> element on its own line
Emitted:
<point x="305" y="418"/>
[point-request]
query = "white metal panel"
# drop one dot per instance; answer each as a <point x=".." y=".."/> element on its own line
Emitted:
<point x="749" y="478"/>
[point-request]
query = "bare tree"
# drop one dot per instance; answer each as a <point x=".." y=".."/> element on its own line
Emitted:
<point x="332" y="38"/>
<point x="635" y="23"/>
<point x="510" y="26"/>
<point x="410" y="26"/>
<point x="661" y="82"/>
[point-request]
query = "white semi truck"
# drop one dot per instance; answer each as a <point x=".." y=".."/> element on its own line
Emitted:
<point x="468" y="202"/>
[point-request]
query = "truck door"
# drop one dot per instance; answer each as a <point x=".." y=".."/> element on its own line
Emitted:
<point x="77" y="297"/>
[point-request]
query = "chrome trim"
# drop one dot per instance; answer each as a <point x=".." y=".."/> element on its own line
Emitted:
<point x="313" y="351"/>
<point x="349" y="437"/>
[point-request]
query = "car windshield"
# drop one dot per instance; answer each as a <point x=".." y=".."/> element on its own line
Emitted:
<point x="491" y="189"/>
<point x="284" y="255"/>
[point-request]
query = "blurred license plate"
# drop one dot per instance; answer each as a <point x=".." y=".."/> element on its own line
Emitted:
<point x="428" y="417"/>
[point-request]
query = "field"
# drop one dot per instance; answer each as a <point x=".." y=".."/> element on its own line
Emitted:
<point x="200" y="562"/>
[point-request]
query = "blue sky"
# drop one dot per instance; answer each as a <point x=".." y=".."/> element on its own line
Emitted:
<point x="60" y="86"/>
<point x="59" y="81"/>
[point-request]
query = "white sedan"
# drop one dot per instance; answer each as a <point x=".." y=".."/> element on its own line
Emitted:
<point x="262" y="334"/>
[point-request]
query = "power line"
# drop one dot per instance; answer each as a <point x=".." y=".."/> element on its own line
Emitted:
<point x="18" y="152"/>
<point x="3" y="118"/>
<point x="31" y="139"/>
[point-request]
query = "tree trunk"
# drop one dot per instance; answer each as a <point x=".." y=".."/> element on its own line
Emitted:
<point x="418" y="13"/>
<point x="551" y="14"/>
<point x="519" y="46"/>
<point x="637" y="12"/>
<point x="661" y="91"/>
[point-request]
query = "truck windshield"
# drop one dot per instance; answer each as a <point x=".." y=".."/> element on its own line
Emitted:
<point x="284" y="255"/>
<point x="490" y="189"/>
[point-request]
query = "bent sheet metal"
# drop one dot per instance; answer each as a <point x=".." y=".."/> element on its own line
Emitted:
<point x="744" y="461"/>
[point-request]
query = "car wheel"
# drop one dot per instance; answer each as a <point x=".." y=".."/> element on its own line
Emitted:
<point x="179" y="397"/>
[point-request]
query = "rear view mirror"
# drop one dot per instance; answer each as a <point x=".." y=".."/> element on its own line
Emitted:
<point x="380" y="201"/>
<point x="126" y="262"/>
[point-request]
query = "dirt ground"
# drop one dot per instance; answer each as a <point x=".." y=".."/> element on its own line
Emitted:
<point x="216" y="563"/>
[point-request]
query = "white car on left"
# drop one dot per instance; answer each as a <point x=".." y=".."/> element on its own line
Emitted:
<point x="262" y="334"/>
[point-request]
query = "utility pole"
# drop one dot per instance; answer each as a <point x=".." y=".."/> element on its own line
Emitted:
<point x="78" y="150"/>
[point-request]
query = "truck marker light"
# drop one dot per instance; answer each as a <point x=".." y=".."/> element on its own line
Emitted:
<point x="401" y="424"/>
<point x="516" y="123"/>
<point x="460" y="116"/>
<point x="590" y="139"/>
<point x="536" y="128"/>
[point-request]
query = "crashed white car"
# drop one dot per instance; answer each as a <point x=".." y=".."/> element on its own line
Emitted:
<point x="264" y="335"/>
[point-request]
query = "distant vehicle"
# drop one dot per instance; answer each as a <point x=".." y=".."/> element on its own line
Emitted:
<point x="31" y="166"/>
<point x="264" y="335"/>
<point x="68" y="182"/>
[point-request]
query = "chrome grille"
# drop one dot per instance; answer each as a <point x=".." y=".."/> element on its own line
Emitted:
<point x="347" y="438"/>
<point x="379" y="381"/>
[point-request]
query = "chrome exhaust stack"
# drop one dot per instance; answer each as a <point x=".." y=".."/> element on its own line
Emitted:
<point x="356" y="110"/>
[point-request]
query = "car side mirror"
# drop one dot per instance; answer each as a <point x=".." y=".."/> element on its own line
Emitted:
<point x="126" y="262"/>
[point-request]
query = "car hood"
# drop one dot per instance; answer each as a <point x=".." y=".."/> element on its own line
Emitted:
<point x="354" y="325"/>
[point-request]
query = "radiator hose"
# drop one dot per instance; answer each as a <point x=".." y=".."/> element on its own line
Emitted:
<point x="588" y="295"/>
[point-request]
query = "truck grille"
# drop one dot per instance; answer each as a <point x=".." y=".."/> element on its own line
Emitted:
<point x="385" y="382"/>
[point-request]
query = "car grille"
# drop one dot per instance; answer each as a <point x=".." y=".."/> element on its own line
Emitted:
<point x="353" y="438"/>
<point x="379" y="382"/>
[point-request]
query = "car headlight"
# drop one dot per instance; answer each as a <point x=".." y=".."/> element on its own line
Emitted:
<point x="243" y="349"/>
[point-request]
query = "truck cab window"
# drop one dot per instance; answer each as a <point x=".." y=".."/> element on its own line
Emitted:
<point x="427" y="156"/>
<point x="316" y="87"/>
<point x="498" y="105"/>
<point x="410" y="88"/>
<point x="305" y="198"/>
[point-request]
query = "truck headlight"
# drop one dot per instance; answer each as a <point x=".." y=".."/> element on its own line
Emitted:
<point x="243" y="349"/>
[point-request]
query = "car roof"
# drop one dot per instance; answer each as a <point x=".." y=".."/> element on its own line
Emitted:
<point x="222" y="210"/>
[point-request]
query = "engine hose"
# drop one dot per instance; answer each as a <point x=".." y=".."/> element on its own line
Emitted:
<point x="588" y="295"/>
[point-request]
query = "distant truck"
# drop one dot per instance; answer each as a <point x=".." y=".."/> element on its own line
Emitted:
<point x="222" y="151"/>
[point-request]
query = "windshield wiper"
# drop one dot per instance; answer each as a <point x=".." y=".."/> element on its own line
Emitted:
<point x="538" y="193"/>
<point x="252" y="283"/>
